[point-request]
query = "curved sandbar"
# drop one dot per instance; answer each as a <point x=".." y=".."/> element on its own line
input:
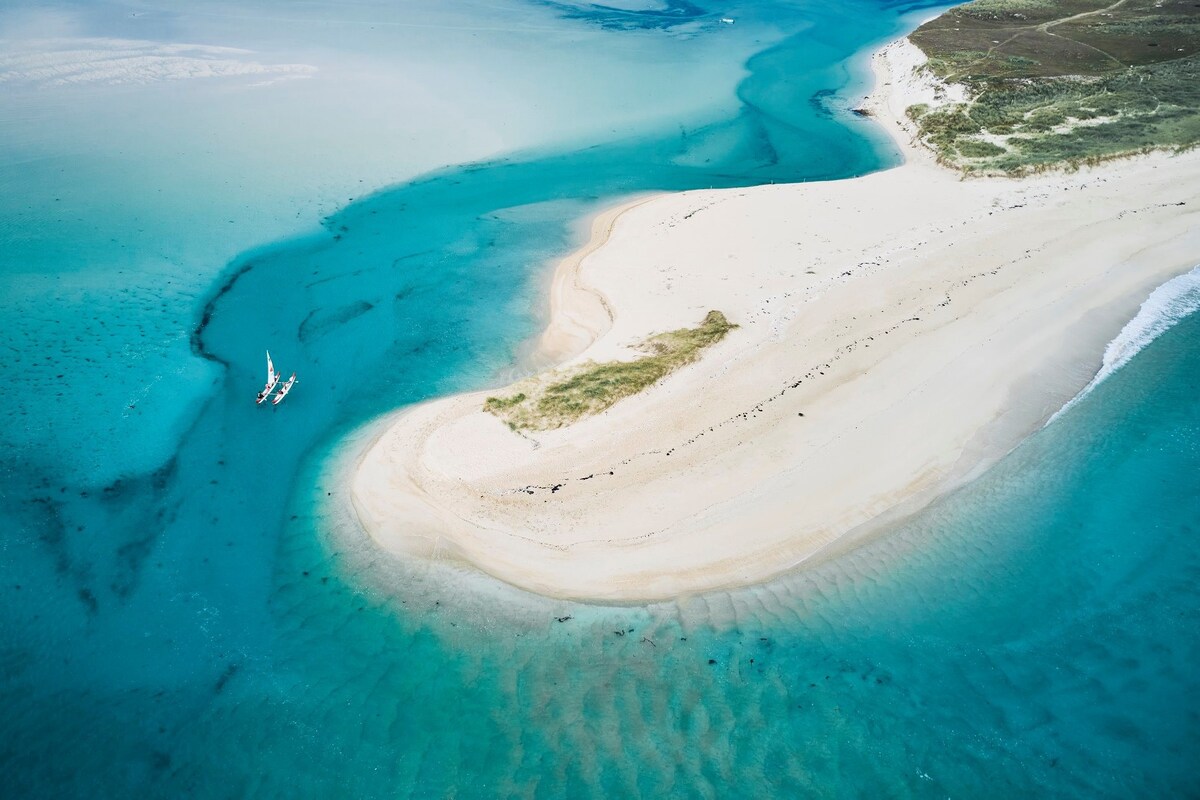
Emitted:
<point x="898" y="333"/>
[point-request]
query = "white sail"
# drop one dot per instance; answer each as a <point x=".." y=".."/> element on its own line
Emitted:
<point x="272" y="381"/>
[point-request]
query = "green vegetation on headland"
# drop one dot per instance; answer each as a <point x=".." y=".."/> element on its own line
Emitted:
<point x="1055" y="83"/>
<point x="560" y="398"/>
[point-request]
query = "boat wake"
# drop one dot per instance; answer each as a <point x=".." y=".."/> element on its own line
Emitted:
<point x="1166" y="306"/>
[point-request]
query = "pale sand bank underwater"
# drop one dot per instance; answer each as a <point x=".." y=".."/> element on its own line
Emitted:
<point x="900" y="332"/>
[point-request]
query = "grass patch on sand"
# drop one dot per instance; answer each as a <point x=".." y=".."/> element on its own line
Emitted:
<point x="560" y="398"/>
<point x="1062" y="83"/>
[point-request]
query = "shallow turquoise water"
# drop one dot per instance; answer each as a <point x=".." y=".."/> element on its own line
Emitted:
<point x="212" y="626"/>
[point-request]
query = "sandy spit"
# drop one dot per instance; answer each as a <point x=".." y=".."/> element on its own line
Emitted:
<point x="900" y="332"/>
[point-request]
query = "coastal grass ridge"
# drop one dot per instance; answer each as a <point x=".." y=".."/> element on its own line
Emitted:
<point x="562" y="397"/>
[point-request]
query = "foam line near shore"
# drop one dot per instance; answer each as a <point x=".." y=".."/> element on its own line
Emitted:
<point x="1166" y="307"/>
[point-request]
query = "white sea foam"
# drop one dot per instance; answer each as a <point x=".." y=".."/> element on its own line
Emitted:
<point x="1164" y="308"/>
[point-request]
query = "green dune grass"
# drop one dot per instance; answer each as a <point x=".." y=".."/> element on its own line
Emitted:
<point x="1056" y="83"/>
<point x="560" y="398"/>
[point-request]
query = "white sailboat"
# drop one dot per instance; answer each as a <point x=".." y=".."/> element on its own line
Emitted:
<point x="272" y="381"/>
<point x="283" y="390"/>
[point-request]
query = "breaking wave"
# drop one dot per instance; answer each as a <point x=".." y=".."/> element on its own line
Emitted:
<point x="1166" y="306"/>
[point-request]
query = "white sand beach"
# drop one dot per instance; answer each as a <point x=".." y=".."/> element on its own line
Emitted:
<point x="899" y="333"/>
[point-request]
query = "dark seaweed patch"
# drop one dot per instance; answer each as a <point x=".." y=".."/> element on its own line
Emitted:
<point x="197" y="338"/>
<point x="225" y="677"/>
<point x="88" y="598"/>
<point x="321" y="321"/>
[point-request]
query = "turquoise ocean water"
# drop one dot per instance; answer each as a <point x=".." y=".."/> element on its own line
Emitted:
<point x="188" y="611"/>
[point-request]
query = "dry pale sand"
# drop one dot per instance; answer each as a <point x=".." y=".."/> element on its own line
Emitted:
<point x="899" y="333"/>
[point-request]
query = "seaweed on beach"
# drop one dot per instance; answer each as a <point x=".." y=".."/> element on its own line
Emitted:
<point x="1054" y="83"/>
<point x="561" y="398"/>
